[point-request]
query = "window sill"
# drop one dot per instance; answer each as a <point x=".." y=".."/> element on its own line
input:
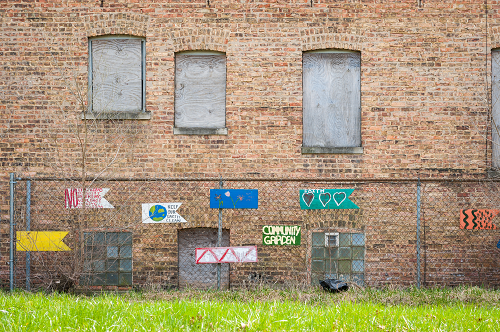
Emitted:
<point x="339" y="150"/>
<point x="200" y="131"/>
<point x="117" y="116"/>
<point x="493" y="173"/>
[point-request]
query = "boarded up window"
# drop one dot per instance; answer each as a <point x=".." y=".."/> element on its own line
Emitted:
<point x="331" y="99"/>
<point x="200" y="90"/>
<point x="117" y="75"/>
<point x="495" y="107"/>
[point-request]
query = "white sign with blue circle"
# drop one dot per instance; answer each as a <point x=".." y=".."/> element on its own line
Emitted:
<point x="157" y="213"/>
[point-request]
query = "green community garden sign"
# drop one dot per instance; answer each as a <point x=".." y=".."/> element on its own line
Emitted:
<point x="281" y="235"/>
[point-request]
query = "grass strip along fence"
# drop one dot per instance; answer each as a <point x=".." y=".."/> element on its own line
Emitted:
<point x="459" y="309"/>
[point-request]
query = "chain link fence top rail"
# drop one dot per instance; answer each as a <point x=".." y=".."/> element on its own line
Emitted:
<point x="374" y="245"/>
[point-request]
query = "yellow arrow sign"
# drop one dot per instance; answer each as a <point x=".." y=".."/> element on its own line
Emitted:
<point x="41" y="241"/>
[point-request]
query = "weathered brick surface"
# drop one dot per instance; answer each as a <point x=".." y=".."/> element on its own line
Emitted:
<point x="425" y="79"/>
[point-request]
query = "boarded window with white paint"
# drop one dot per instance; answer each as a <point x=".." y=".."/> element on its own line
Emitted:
<point x="200" y="90"/>
<point x="495" y="107"/>
<point x="117" y="75"/>
<point x="331" y="99"/>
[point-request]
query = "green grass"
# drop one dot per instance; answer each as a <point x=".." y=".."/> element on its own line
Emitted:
<point x="459" y="309"/>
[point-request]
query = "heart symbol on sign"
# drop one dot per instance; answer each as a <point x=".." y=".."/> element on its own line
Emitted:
<point x="308" y="198"/>
<point x="338" y="198"/>
<point x="325" y="198"/>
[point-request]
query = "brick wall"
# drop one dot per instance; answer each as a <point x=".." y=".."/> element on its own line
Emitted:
<point x="424" y="87"/>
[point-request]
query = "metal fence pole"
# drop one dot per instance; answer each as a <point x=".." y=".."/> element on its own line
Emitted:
<point x="219" y="239"/>
<point x="28" y="228"/>
<point x="418" y="233"/>
<point x="11" y="248"/>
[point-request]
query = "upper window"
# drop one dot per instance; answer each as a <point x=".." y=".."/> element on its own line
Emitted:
<point x="331" y="102"/>
<point x="117" y="75"/>
<point x="200" y="93"/>
<point x="495" y="107"/>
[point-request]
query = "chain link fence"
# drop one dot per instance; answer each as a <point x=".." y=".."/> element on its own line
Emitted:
<point x="375" y="245"/>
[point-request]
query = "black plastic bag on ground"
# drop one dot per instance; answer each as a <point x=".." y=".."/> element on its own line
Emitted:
<point x="334" y="285"/>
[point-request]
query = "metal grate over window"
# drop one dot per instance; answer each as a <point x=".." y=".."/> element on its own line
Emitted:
<point x="338" y="256"/>
<point x="107" y="259"/>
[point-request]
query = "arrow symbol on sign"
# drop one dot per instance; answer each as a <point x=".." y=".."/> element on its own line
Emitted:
<point x="94" y="198"/>
<point x="41" y="241"/>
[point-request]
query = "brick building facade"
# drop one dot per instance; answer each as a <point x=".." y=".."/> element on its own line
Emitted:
<point x="424" y="94"/>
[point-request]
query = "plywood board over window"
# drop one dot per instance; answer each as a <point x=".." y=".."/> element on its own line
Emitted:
<point x="331" y="99"/>
<point x="200" y="90"/>
<point x="495" y="107"/>
<point x="117" y="75"/>
<point x="201" y="276"/>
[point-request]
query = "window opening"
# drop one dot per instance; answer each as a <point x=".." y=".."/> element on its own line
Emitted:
<point x="117" y="74"/>
<point x="338" y="256"/>
<point x="107" y="259"/>
<point x="332" y="101"/>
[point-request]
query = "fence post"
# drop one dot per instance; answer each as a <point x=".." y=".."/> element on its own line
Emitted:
<point x="418" y="233"/>
<point x="28" y="228"/>
<point x="11" y="248"/>
<point x="219" y="239"/>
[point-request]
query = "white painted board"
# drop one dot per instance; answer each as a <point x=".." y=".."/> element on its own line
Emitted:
<point x="331" y="99"/>
<point x="116" y="75"/>
<point x="200" y="90"/>
<point x="495" y="107"/>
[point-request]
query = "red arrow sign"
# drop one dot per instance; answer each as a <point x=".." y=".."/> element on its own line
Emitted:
<point x="226" y="255"/>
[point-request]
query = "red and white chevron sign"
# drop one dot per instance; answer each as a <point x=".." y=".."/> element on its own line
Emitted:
<point x="226" y="255"/>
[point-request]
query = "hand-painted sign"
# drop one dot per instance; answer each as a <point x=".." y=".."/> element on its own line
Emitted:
<point x="226" y="255"/>
<point x="477" y="219"/>
<point x="316" y="199"/>
<point x="154" y="213"/>
<point x="94" y="198"/>
<point x="281" y="235"/>
<point x="234" y="198"/>
<point x="41" y="241"/>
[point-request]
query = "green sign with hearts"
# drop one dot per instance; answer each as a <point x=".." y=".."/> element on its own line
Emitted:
<point x="326" y="199"/>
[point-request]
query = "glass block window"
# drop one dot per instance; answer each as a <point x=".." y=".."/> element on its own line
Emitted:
<point x="107" y="259"/>
<point x="338" y="256"/>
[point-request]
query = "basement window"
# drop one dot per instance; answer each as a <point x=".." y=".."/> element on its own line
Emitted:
<point x="107" y="259"/>
<point x="338" y="256"/>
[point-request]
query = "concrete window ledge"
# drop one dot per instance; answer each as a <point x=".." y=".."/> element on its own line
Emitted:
<point x="200" y="131"/>
<point x="117" y="116"/>
<point x="493" y="173"/>
<point x="340" y="150"/>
